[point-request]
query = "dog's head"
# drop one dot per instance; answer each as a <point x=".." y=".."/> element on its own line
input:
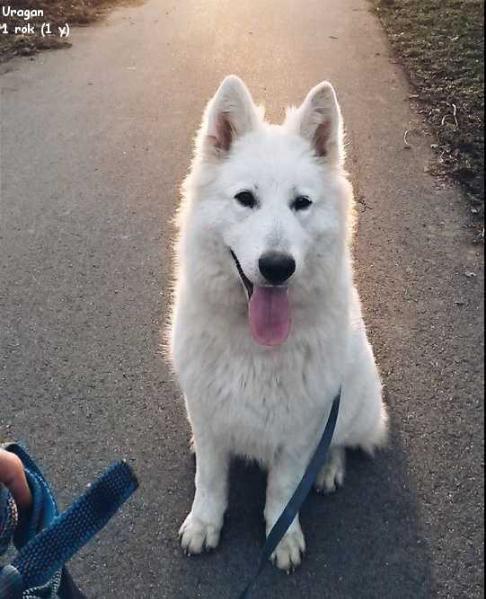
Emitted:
<point x="266" y="205"/>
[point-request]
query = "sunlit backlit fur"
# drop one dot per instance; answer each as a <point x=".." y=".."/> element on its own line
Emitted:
<point x="269" y="404"/>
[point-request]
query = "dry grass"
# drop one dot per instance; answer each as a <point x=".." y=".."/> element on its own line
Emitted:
<point x="57" y="13"/>
<point x="441" y="45"/>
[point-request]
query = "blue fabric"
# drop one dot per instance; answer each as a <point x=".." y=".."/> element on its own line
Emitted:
<point x="11" y="585"/>
<point x="8" y="518"/>
<point x="44" y="506"/>
<point x="295" y="503"/>
<point x="68" y="532"/>
<point x="46" y="539"/>
<point x="43" y="511"/>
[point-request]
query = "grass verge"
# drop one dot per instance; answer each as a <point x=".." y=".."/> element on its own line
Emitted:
<point x="55" y="12"/>
<point x="441" y="46"/>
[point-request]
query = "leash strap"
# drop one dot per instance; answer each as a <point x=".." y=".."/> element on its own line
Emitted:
<point x="46" y="539"/>
<point x="48" y="551"/>
<point x="295" y="503"/>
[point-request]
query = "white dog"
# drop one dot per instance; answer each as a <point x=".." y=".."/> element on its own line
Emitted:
<point x="267" y="323"/>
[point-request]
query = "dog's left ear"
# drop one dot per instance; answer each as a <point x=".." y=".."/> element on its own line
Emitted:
<point x="319" y="120"/>
<point x="230" y="114"/>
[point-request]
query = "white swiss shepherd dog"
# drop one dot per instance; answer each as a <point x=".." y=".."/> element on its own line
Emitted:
<point x="266" y="323"/>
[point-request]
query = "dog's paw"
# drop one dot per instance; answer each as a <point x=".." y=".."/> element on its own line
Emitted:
<point x="197" y="536"/>
<point x="289" y="552"/>
<point x="332" y="473"/>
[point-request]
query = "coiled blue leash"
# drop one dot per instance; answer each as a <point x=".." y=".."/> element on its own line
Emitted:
<point x="301" y="492"/>
<point x="42" y="555"/>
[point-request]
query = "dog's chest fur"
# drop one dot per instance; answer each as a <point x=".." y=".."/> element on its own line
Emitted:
<point x="257" y="400"/>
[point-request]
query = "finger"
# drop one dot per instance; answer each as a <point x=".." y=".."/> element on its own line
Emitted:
<point x="12" y="475"/>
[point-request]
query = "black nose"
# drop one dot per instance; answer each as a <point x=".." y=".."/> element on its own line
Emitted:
<point x="276" y="268"/>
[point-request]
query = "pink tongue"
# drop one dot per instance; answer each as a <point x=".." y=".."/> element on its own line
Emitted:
<point x="269" y="315"/>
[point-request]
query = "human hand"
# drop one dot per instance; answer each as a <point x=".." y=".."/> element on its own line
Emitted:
<point x="12" y="475"/>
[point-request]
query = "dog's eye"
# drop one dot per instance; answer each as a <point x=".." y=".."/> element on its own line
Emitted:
<point x="301" y="203"/>
<point x="246" y="198"/>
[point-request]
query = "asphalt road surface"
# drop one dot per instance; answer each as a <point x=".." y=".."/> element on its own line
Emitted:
<point x="95" y="141"/>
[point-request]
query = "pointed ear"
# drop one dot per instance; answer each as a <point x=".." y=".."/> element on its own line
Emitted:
<point x="230" y="114"/>
<point x="319" y="121"/>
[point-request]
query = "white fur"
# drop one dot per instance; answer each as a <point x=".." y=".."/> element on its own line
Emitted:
<point x="269" y="404"/>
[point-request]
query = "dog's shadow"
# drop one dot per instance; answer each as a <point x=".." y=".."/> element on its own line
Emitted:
<point x="363" y="541"/>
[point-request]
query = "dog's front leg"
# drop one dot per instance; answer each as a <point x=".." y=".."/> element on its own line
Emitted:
<point x="201" y="529"/>
<point x="283" y="477"/>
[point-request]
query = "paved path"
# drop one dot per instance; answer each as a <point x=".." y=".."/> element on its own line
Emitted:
<point x="95" y="141"/>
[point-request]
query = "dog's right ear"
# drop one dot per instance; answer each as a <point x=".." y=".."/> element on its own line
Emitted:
<point x="229" y="114"/>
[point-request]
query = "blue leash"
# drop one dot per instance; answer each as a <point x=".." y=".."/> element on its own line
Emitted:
<point x="295" y="503"/>
<point x="42" y="555"/>
<point x="48" y="551"/>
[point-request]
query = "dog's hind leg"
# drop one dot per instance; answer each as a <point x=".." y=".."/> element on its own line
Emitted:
<point x="331" y="475"/>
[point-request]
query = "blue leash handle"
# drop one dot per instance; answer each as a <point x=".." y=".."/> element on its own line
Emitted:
<point x="295" y="503"/>
<point x="48" y="551"/>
